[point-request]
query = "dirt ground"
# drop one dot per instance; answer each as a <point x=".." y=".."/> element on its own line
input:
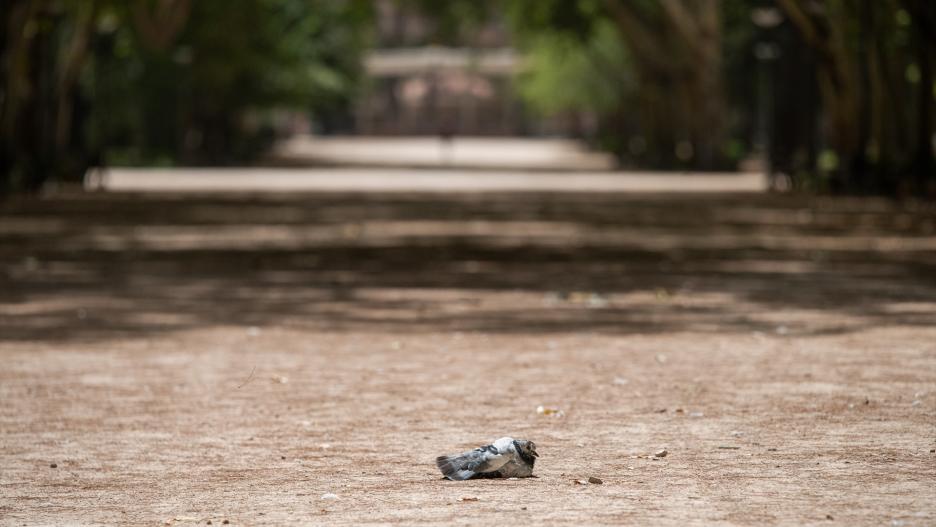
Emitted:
<point x="174" y="359"/>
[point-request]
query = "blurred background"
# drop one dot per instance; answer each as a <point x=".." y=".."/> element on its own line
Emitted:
<point x="823" y="95"/>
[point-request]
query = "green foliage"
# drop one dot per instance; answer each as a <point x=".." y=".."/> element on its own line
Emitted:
<point x="166" y="82"/>
<point x="567" y="73"/>
<point x="210" y="97"/>
<point x="672" y="84"/>
<point x="652" y="75"/>
<point x="572" y="18"/>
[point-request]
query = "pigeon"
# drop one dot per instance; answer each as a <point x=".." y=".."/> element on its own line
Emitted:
<point x="505" y="458"/>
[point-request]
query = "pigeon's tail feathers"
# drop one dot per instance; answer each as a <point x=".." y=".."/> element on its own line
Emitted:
<point x="455" y="467"/>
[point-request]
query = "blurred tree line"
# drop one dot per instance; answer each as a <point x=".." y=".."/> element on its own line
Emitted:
<point x="164" y="81"/>
<point x="838" y="95"/>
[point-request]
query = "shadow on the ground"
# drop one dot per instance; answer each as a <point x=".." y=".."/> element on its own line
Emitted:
<point x="107" y="265"/>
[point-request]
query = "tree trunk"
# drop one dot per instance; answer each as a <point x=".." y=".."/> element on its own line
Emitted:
<point x="680" y="79"/>
<point x="70" y="64"/>
<point x="924" y="164"/>
<point x="859" y="165"/>
<point x="821" y="31"/>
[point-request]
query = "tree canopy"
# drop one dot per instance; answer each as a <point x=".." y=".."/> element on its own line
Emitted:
<point x="839" y="95"/>
<point x="166" y="81"/>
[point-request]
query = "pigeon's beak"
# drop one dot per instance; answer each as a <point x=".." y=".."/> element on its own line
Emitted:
<point x="534" y="453"/>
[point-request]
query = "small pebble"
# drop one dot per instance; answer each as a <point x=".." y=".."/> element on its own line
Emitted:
<point x="208" y="522"/>
<point x="661" y="453"/>
<point x="329" y="496"/>
<point x="225" y="522"/>
<point x="53" y="465"/>
<point x="596" y="481"/>
<point x="829" y="517"/>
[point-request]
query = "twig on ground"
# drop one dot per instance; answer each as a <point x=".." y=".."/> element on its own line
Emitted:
<point x="249" y="378"/>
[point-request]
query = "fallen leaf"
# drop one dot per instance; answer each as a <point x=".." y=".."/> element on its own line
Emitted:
<point x="546" y="410"/>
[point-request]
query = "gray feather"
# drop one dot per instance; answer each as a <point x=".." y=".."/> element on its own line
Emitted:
<point x="468" y="464"/>
<point x="520" y="465"/>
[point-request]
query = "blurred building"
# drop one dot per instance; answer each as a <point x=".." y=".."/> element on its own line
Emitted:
<point x="463" y="88"/>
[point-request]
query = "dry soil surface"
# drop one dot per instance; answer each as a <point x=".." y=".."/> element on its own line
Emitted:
<point x="242" y="359"/>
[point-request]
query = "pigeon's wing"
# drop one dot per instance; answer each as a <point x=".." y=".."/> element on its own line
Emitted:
<point x="517" y="467"/>
<point x="464" y="466"/>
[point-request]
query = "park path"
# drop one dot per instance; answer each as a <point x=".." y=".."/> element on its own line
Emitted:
<point x="175" y="358"/>
<point x="427" y="165"/>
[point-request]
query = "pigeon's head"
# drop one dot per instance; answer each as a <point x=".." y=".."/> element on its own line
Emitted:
<point x="526" y="448"/>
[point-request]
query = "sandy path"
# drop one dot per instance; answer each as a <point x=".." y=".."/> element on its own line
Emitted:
<point x="186" y="359"/>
